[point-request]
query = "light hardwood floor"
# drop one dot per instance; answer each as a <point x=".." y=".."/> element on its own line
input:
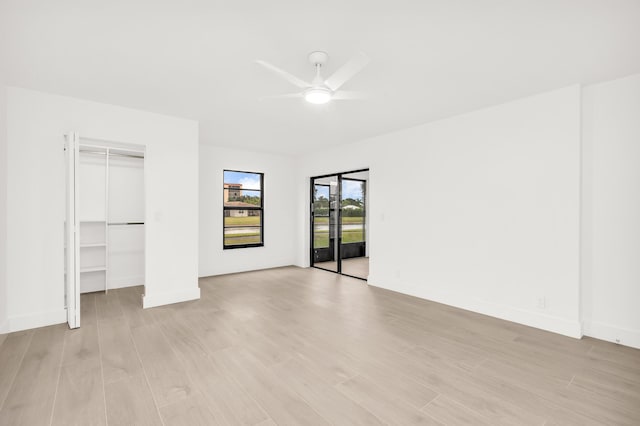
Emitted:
<point x="303" y="347"/>
<point x="356" y="267"/>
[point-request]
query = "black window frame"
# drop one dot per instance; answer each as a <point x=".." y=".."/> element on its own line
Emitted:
<point x="226" y="209"/>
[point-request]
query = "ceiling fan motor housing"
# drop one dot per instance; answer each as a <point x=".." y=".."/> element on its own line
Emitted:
<point x="318" y="58"/>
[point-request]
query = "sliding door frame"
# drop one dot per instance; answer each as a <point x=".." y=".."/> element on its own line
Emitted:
<point x="339" y="220"/>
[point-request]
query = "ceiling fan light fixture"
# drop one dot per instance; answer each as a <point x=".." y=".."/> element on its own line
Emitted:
<point x="317" y="95"/>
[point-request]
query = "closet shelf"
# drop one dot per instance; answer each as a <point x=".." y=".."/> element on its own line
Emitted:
<point x="83" y="245"/>
<point x="93" y="269"/>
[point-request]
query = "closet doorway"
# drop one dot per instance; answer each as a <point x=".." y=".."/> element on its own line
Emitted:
<point x="339" y="232"/>
<point x="105" y="232"/>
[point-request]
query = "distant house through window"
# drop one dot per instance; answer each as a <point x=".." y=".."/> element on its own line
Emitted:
<point x="243" y="209"/>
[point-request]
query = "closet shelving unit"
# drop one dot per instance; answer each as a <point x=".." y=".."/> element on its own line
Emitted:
<point x="93" y="249"/>
<point x="94" y="234"/>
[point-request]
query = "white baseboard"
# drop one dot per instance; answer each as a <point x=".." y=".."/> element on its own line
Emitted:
<point x="160" y="299"/>
<point x="90" y="286"/>
<point x="4" y="327"/>
<point x="612" y="333"/>
<point x="212" y="272"/>
<point x="128" y="281"/>
<point x="40" y="319"/>
<point x="534" y="319"/>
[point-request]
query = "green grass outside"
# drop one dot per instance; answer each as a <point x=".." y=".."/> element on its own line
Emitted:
<point x="345" y="220"/>
<point x="240" y="221"/>
<point x="238" y="239"/>
<point x="321" y="239"/>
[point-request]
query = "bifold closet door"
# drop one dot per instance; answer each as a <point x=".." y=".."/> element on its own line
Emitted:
<point x="71" y="237"/>
<point x="126" y="218"/>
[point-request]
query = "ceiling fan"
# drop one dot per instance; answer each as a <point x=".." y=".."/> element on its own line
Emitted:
<point x="321" y="91"/>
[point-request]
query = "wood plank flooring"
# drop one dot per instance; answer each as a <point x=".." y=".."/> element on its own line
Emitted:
<point x="356" y="266"/>
<point x="292" y="346"/>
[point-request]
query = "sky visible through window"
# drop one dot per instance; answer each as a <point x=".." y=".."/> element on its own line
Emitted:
<point x="248" y="180"/>
<point x="350" y="189"/>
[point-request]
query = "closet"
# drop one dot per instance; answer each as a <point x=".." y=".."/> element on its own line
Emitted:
<point x="105" y="243"/>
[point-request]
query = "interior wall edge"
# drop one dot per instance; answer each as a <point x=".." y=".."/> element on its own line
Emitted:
<point x="610" y="203"/>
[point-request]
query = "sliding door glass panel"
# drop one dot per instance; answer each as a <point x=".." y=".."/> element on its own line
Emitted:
<point x="325" y="223"/>
<point x="353" y="213"/>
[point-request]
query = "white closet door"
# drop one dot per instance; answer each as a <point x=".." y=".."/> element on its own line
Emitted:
<point x="72" y="244"/>
<point x="126" y="215"/>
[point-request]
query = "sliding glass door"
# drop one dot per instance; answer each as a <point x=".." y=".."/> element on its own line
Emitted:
<point x="324" y="220"/>
<point x="338" y="223"/>
<point x="353" y="249"/>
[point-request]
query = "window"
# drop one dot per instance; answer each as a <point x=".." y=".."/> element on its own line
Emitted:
<point x="243" y="209"/>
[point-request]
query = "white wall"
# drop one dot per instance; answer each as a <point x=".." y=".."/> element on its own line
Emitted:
<point x="280" y="208"/>
<point x="611" y="211"/>
<point x="36" y="199"/>
<point x="494" y="198"/>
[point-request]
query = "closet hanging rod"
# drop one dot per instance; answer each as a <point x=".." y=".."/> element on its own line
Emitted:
<point x="124" y="223"/>
<point x="105" y="143"/>
<point x="86" y="151"/>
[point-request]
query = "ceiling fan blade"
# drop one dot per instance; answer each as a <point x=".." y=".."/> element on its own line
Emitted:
<point x="286" y="95"/>
<point x="348" y="70"/>
<point x="349" y="95"/>
<point x="284" y="74"/>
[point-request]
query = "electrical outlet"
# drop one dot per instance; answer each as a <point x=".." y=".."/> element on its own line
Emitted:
<point x="542" y="302"/>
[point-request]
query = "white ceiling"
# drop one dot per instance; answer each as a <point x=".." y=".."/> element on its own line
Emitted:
<point x="429" y="59"/>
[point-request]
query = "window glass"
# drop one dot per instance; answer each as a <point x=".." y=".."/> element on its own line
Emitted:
<point x="243" y="209"/>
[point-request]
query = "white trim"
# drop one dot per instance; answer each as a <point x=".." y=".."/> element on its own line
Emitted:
<point x="539" y="320"/>
<point x="108" y="144"/>
<point x="72" y="235"/>
<point x="212" y="272"/>
<point x="128" y="281"/>
<point x="40" y="319"/>
<point x="106" y="222"/>
<point x="150" y="301"/>
<point x="612" y="333"/>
